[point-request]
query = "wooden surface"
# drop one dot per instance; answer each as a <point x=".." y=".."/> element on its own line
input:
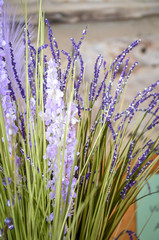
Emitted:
<point x="127" y="223"/>
<point x="157" y="165"/>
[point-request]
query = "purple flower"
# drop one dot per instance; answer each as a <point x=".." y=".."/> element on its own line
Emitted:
<point x="55" y="117"/>
<point x="50" y="218"/>
<point x="6" y="181"/>
<point x="130" y="234"/>
<point x="8" y="104"/>
<point x="9" y="203"/>
<point x="9" y="222"/>
<point x="1" y="232"/>
<point x="97" y="69"/>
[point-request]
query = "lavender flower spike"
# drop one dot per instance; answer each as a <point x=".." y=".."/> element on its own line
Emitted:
<point x="9" y="109"/>
<point x="55" y="117"/>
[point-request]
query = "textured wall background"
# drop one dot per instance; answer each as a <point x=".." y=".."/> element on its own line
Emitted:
<point x="82" y="10"/>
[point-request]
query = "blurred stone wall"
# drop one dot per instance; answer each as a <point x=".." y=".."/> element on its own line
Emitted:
<point x="83" y="10"/>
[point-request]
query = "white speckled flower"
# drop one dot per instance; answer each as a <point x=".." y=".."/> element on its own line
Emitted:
<point x="55" y="117"/>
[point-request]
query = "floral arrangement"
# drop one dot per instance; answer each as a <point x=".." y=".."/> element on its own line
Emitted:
<point x="64" y="175"/>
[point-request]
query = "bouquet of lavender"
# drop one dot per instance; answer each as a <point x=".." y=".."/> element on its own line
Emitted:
<point x="63" y="173"/>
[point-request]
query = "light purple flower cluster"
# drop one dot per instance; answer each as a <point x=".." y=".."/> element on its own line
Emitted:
<point x="55" y="117"/>
<point x="9" y="109"/>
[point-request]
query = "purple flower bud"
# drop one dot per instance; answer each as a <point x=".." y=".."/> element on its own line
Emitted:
<point x="8" y="203"/>
<point x="1" y="232"/>
<point x="11" y="227"/>
<point x="8" y="221"/>
<point x="6" y="180"/>
<point x="130" y="234"/>
<point x="15" y="71"/>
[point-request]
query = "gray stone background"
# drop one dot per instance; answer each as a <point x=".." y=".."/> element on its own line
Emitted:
<point x="112" y="26"/>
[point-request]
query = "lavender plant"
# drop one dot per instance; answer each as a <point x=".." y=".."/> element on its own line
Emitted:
<point x="63" y="174"/>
